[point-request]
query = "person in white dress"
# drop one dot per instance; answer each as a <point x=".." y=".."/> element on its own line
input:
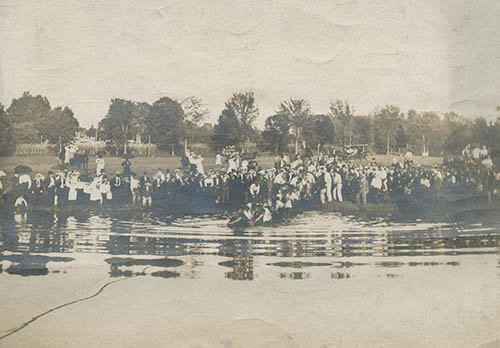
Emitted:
<point x="73" y="185"/>
<point x="198" y="162"/>
<point x="95" y="193"/>
<point x="106" y="190"/>
<point x="69" y="153"/>
<point x="100" y="163"/>
<point x="231" y="165"/>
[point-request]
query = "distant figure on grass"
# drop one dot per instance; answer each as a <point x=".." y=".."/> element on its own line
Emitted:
<point x="100" y="163"/>
<point x="195" y="161"/>
<point x="127" y="167"/>
<point x="69" y="152"/>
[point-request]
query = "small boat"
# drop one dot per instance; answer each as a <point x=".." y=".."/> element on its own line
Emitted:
<point x="239" y="222"/>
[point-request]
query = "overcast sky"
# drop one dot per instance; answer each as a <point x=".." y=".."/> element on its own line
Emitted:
<point x="428" y="55"/>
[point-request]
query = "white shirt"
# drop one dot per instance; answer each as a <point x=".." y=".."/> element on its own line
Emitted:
<point x="25" y="179"/>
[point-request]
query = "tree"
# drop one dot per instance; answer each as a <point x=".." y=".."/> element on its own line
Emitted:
<point x="244" y="108"/>
<point x="432" y="138"/>
<point x="227" y="130"/>
<point x="297" y="110"/>
<point x="386" y="121"/>
<point x="479" y="131"/>
<point x="344" y="112"/>
<point x="457" y="135"/>
<point x="194" y="115"/>
<point x="166" y="123"/>
<point x="61" y="126"/>
<point x="7" y="145"/>
<point x="140" y="116"/>
<point x="319" y="130"/>
<point x="362" y="129"/>
<point x="91" y="132"/>
<point x="194" y="110"/>
<point x="117" y="125"/>
<point x="277" y="133"/>
<point x="28" y="114"/>
<point x="203" y="134"/>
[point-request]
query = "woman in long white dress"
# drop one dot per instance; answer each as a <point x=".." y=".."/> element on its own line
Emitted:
<point x="100" y="163"/>
<point x="72" y="193"/>
<point x="232" y="165"/>
<point x="95" y="193"/>
<point x="106" y="191"/>
<point x="198" y="162"/>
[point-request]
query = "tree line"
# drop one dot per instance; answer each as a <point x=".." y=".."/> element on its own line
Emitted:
<point x="31" y="120"/>
<point x="173" y="123"/>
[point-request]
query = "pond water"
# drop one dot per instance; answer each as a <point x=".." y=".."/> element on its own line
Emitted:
<point x="323" y="280"/>
<point x="311" y="240"/>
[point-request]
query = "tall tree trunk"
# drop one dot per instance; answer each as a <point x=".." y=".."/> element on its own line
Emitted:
<point x="388" y="142"/>
<point x="297" y="136"/>
<point x="149" y="147"/>
<point x="424" y="148"/>
<point x="125" y="131"/>
<point x="185" y="144"/>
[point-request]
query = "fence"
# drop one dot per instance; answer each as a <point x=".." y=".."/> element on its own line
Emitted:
<point x="35" y="149"/>
<point x="140" y="150"/>
<point x="91" y="147"/>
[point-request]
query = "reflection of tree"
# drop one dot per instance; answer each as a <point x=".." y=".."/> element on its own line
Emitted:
<point x="340" y="275"/>
<point x="242" y="259"/>
<point x="31" y="265"/>
<point x="242" y="267"/>
<point x="295" y="275"/>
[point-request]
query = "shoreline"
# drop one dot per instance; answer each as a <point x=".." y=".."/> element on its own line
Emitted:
<point x="469" y="207"/>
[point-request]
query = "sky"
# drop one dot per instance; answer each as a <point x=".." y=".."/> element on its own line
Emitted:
<point x="427" y="55"/>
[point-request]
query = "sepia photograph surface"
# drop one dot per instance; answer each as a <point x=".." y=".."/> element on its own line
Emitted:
<point x="249" y="174"/>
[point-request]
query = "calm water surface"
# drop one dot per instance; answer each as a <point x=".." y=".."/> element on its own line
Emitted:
<point x="314" y="244"/>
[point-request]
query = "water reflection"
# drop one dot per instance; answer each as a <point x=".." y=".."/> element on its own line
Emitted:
<point x="241" y="267"/>
<point x="30" y="265"/>
<point x="295" y="251"/>
<point x="123" y="267"/>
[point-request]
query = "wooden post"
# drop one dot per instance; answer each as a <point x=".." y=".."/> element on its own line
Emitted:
<point x="388" y="142"/>
<point x="149" y="147"/>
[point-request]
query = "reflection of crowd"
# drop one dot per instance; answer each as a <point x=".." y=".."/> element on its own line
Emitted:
<point x="263" y="195"/>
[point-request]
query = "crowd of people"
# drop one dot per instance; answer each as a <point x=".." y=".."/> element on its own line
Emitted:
<point x="258" y="195"/>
